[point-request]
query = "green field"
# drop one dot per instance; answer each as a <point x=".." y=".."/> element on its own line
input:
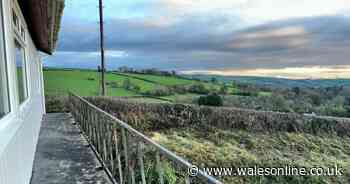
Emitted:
<point x="167" y="81"/>
<point x="86" y="83"/>
<point x="59" y="82"/>
<point x="172" y="81"/>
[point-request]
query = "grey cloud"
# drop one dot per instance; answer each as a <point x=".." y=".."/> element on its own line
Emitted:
<point x="200" y="43"/>
<point x="202" y="35"/>
<point x="197" y="34"/>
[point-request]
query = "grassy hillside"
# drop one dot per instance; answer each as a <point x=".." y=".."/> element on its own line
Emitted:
<point x="168" y="80"/>
<point x="86" y="83"/>
<point x="171" y="81"/>
<point x="276" y="82"/>
<point x="215" y="146"/>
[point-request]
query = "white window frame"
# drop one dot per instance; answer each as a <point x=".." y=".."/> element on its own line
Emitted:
<point x="19" y="36"/>
<point x="5" y="64"/>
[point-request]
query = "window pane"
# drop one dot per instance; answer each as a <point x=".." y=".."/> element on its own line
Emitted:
<point x="4" y="97"/>
<point x="21" y="73"/>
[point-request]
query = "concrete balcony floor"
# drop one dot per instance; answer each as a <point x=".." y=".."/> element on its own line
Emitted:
<point x="62" y="155"/>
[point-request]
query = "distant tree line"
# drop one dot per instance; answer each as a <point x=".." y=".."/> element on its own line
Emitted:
<point x="328" y="101"/>
<point x="151" y="71"/>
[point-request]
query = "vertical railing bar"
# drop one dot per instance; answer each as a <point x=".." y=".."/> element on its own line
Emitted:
<point x="97" y="130"/>
<point x="126" y="156"/>
<point x="105" y="137"/>
<point x="108" y="136"/>
<point x="101" y="135"/>
<point x="118" y="155"/>
<point x="132" y="175"/>
<point x="86" y="117"/>
<point x="132" y="163"/>
<point x="84" y="107"/>
<point x="187" y="179"/>
<point x="86" y="125"/>
<point x="159" y="168"/>
<point x="77" y="110"/>
<point x="141" y="164"/>
<point x="82" y="119"/>
<point x="110" y="146"/>
<point x="77" y="107"/>
<point x="86" y="128"/>
<point x="81" y="112"/>
<point x="93" y="125"/>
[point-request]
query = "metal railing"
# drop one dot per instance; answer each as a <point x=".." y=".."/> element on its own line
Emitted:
<point x="127" y="155"/>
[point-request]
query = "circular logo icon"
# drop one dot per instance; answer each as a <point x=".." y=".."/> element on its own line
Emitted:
<point x="193" y="171"/>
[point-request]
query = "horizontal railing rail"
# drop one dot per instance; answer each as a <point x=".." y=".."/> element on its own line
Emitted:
<point x="127" y="155"/>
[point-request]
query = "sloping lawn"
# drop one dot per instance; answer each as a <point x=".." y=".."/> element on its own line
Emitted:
<point x="163" y="80"/>
<point x="86" y="83"/>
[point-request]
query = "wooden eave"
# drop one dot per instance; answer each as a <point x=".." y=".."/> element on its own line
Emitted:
<point x="43" y="18"/>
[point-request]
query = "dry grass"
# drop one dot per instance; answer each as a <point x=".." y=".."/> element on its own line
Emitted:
<point x="222" y="137"/>
<point x="220" y="148"/>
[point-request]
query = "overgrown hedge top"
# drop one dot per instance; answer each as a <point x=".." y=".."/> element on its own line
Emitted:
<point x="151" y="116"/>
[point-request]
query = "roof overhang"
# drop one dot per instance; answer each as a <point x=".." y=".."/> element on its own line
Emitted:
<point x="43" y="18"/>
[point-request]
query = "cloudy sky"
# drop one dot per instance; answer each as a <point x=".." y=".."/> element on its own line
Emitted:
<point x="284" y="38"/>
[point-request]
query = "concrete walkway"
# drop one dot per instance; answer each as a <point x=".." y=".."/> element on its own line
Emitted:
<point x="62" y="156"/>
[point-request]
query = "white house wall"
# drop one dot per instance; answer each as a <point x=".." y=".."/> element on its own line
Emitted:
<point x="19" y="129"/>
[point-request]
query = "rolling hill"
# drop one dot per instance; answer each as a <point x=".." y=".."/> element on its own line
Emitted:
<point x="276" y="82"/>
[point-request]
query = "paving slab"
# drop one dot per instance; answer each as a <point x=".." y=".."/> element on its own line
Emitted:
<point x="62" y="155"/>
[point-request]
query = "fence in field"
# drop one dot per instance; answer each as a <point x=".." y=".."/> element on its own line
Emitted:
<point x="127" y="155"/>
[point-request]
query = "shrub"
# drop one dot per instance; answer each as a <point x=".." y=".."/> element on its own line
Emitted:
<point x="223" y="90"/>
<point x="169" y="173"/>
<point x="127" y="84"/>
<point x="347" y="111"/>
<point x="198" y="88"/>
<point x="214" y="80"/>
<point x="160" y="91"/>
<point x="210" y="100"/>
<point x="316" y="99"/>
<point x="56" y="104"/>
<point x="245" y="93"/>
<point x="280" y="104"/>
<point x="113" y="84"/>
<point x="136" y="88"/>
<point x="180" y="89"/>
<point x="347" y="101"/>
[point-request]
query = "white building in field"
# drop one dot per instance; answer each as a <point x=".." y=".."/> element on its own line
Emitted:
<point x="26" y="27"/>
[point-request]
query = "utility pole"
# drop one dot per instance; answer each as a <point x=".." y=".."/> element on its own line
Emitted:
<point x="103" y="69"/>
